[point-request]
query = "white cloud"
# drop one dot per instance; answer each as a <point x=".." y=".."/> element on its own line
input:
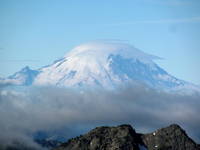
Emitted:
<point x="161" y="21"/>
<point x="51" y="109"/>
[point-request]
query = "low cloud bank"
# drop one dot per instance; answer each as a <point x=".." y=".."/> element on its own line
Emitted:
<point x="52" y="109"/>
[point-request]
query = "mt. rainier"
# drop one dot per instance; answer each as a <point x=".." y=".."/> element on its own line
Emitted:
<point x="107" y="64"/>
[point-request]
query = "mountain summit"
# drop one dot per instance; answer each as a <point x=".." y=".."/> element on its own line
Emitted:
<point x="104" y="64"/>
<point x="107" y="64"/>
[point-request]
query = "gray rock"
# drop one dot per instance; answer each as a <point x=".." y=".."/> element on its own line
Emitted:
<point x="121" y="137"/>
<point x="124" y="137"/>
<point x="169" y="138"/>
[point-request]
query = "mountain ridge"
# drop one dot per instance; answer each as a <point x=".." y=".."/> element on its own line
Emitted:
<point x="124" y="137"/>
<point x="24" y="77"/>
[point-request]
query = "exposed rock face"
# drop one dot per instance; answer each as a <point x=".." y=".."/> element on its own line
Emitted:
<point x="105" y="138"/>
<point x="169" y="138"/>
<point x="124" y="137"/>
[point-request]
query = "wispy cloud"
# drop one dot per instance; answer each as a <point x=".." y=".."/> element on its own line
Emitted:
<point x="173" y="2"/>
<point x="161" y="21"/>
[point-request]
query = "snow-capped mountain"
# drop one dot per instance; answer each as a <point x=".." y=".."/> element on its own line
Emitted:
<point x="104" y="64"/>
<point x="23" y="77"/>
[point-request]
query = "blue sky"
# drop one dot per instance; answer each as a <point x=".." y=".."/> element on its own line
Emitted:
<point x="36" y="32"/>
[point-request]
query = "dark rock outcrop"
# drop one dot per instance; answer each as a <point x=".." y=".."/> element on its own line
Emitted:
<point x="105" y="138"/>
<point x="169" y="138"/>
<point x="124" y="137"/>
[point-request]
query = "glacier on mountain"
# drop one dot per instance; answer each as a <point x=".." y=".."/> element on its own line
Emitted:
<point x="104" y="64"/>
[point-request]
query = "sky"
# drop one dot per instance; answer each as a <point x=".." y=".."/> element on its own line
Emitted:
<point x="36" y="32"/>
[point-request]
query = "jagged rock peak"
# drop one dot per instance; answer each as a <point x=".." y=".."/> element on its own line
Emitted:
<point x="172" y="137"/>
<point x="106" y="138"/>
<point x="124" y="137"/>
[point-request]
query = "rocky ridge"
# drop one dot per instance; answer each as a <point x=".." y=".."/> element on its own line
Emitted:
<point x="124" y="137"/>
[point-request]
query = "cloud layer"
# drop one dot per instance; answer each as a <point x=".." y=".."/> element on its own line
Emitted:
<point x="53" y="109"/>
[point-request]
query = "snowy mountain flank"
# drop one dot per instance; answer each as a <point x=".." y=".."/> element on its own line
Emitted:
<point x="23" y="77"/>
<point x="104" y="64"/>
